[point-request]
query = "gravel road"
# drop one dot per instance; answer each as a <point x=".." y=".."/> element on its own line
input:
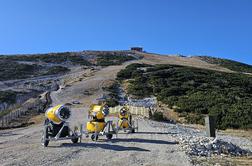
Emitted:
<point x="151" y="146"/>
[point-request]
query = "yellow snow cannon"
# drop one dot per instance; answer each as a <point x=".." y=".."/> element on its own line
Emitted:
<point x="125" y="121"/>
<point x="97" y="122"/>
<point x="97" y="125"/>
<point x="56" y="126"/>
<point x="58" y="114"/>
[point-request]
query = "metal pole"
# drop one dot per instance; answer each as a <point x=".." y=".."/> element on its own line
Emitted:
<point x="210" y="126"/>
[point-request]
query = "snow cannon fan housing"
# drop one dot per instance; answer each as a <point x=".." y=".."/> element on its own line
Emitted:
<point x="98" y="112"/>
<point x="58" y="114"/>
<point x="123" y="114"/>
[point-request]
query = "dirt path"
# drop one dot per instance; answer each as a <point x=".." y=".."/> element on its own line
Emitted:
<point x="151" y="146"/>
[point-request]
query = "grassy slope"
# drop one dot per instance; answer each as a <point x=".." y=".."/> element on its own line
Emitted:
<point x="230" y="64"/>
<point x="112" y="59"/>
<point x="195" y="92"/>
<point x="10" y="68"/>
<point x="49" y="58"/>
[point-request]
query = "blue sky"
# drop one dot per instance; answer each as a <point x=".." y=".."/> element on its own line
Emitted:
<point x="221" y="28"/>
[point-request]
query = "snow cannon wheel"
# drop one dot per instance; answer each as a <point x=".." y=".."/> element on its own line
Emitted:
<point x="75" y="140"/>
<point x="133" y="131"/>
<point x="45" y="136"/>
<point x="94" y="137"/>
<point x="109" y="136"/>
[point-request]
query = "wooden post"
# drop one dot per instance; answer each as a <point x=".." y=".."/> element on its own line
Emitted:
<point x="210" y="126"/>
<point x="7" y="120"/>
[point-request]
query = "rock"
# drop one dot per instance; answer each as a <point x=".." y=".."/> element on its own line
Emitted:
<point x="194" y="142"/>
<point x="202" y="146"/>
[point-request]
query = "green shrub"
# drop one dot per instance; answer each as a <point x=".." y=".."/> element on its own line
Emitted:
<point x="12" y="70"/>
<point x="195" y="92"/>
<point x="128" y="71"/>
<point x="8" y="97"/>
<point x="112" y="59"/>
<point x="50" y="58"/>
<point x="195" y="118"/>
<point x="230" y="64"/>
<point x="112" y="102"/>
<point x="158" y="116"/>
<point x="112" y="99"/>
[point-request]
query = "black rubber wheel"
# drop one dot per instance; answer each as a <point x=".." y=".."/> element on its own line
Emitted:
<point x="75" y="140"/>
<point x="45" y="136"/>
<point x="130" y="120"/>
<point x="109" y="136"/>
<point x="94" y="137"/>
<point x="133" y="131"/>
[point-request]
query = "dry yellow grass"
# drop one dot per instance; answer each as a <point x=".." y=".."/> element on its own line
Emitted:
<point x="38" y="119"/>
<point x="239" y="133"/>
<point x="223" y="161"/>
<point x="170" y="113"/>
<point x="183" y="61"/>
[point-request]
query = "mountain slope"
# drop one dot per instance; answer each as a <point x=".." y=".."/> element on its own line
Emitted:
<point x="194" y="92"/>
<point x="229" y="64"/>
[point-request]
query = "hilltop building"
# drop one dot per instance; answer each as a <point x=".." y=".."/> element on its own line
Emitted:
<point x="140" y="49"/>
